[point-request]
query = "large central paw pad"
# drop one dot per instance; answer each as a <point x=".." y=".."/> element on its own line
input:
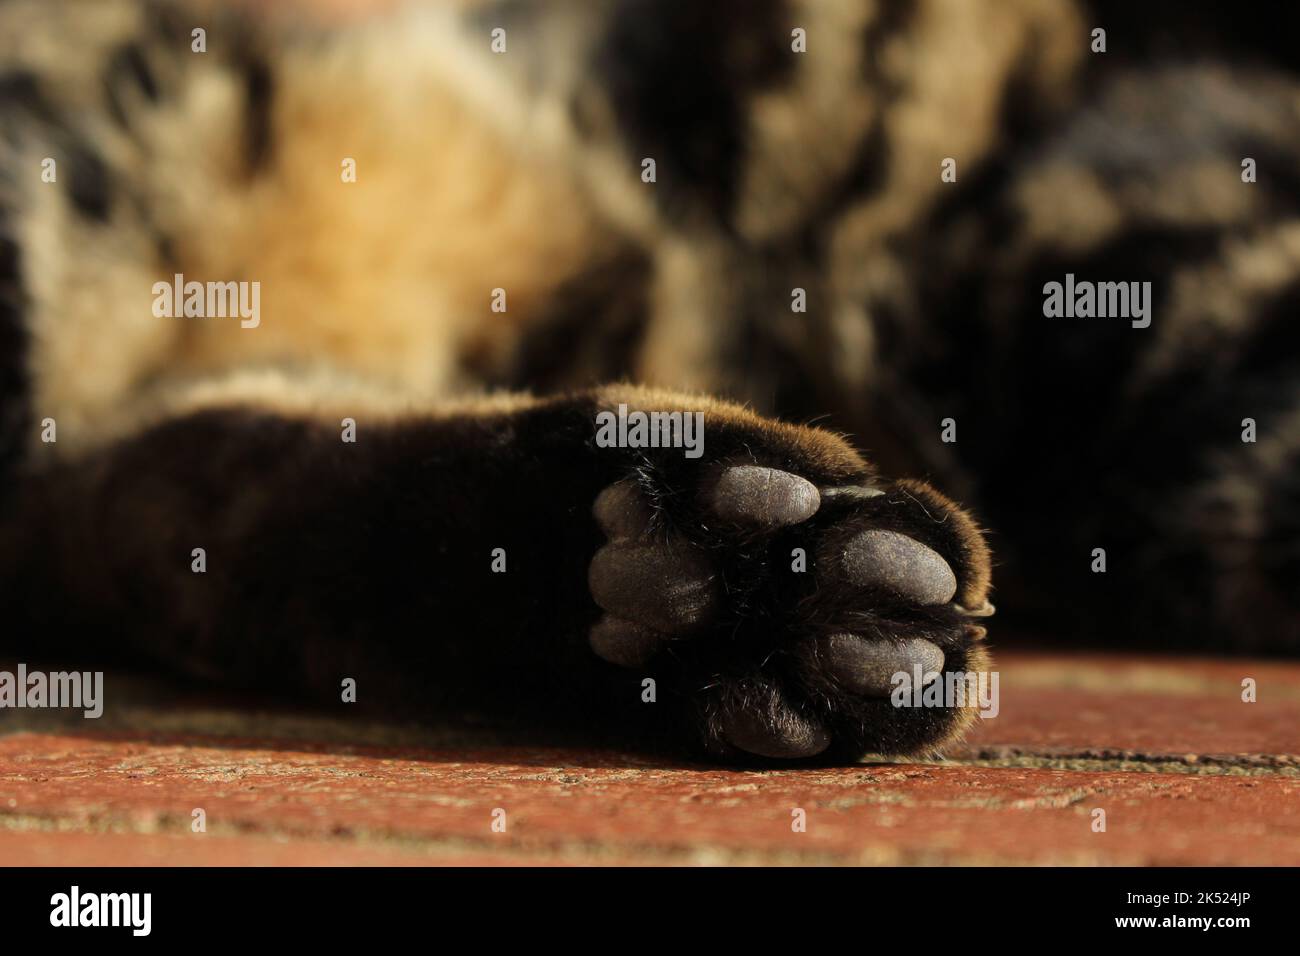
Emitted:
<point x="792" y="609"/>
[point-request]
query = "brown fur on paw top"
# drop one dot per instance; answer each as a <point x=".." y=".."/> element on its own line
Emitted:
<point x="783" y="588"/>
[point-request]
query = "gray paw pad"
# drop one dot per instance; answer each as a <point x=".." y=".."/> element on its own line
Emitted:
<point x="867" y="666"/>
<point x="621" y="511"/>
<point x="763" y="497"/>
<point x="896" y="563"/>
<point x="783" y="735"/>
<point x="623" y="642"/>
<point x="666" y="588"/>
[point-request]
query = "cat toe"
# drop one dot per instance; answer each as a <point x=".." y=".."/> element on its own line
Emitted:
<point x="761" y="497"/>
<point x="623" y="642"/>
<point x="622" y="511"/>
<point x="867" y="667"/>
<point x="670" y="588"/>
<point x="767" y="726"/>
<point x="894" y="563"/>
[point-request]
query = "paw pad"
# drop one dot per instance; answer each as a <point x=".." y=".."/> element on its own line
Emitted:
<point x="895" y="563"/>
<point x="868" y="667"/>
<point x="763" y="497"/>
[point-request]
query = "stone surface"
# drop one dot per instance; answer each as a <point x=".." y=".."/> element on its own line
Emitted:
<point x="1185" y="772"/>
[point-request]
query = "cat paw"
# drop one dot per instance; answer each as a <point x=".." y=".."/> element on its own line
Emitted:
<point x="782" y="594"/>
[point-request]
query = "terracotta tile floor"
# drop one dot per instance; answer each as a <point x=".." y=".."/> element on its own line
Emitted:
<point x="1185" y="771"/>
